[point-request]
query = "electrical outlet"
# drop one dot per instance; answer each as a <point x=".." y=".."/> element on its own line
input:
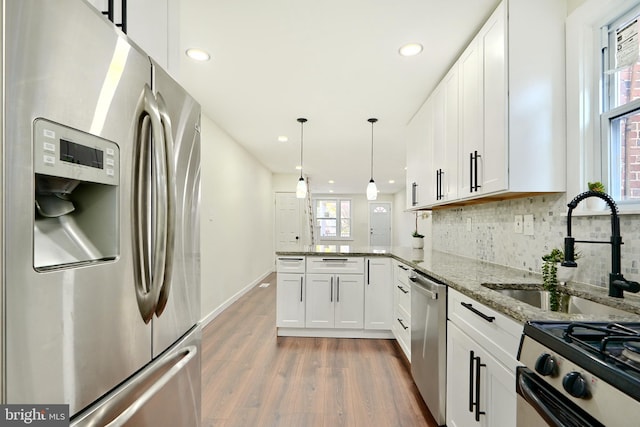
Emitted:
<point x="528" y="225"/>
<point x="468" y="224"/>
<point x="517" y="224"/>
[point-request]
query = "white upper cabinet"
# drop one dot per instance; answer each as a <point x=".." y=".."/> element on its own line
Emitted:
<point x="152" y="25"/>
<point x="419" y="140"/>
<point x="500" y="111"/>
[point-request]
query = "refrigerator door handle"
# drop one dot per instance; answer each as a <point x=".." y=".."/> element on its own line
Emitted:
<point x="170" y="188"/>
<point x="142" y="390"/>
<point x="146" y="278"/>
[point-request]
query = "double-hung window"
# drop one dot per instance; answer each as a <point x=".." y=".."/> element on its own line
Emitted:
<point x="620" y="107"/>
<point x="333" y="218"/>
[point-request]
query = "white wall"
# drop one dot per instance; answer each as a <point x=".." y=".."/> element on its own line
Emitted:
<point x="237" y="220"/>
<point x="404" y="222"/>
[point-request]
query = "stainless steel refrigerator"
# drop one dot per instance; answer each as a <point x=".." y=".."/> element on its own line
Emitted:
<point x="100" y="175"/>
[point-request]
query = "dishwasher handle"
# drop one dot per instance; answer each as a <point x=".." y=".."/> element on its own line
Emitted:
<point x="427" y="285"/>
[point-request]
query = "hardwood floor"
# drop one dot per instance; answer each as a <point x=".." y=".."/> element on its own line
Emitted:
<point x="252" y="378"/>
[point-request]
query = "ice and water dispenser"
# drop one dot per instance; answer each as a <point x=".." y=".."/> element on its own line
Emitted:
<point x="76" y="197"/>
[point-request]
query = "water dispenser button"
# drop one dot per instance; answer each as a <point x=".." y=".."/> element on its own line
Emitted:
<point x="49" y="160"/>
<point x="48" y="146"/>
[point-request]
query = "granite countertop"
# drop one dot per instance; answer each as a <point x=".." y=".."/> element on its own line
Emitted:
<point x="468" y="275"/>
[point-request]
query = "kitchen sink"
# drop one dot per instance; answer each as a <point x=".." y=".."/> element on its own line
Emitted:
<point x="568" y="303"/>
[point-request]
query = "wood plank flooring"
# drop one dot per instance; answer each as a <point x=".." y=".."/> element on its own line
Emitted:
<point x="251" y="378"/>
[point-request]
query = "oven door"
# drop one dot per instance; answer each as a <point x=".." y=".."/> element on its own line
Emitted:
<point x="540" y="403"/>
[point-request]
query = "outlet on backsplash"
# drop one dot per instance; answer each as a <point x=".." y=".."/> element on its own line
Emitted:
<point x="517" y="225"/>
<point x="528" y="225"/>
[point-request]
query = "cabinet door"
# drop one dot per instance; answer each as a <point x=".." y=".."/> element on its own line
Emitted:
<point x="290" y="300"/>
<point x="492" y="388"/>
<point x="449" y="177"/>
<point x="471" y="132"/>
<point x="319" y="307"/>
<point x="349" y="301"/>
<point x="494" y="159"/>
<point x="500" y="389"/>
<point x="378" y="294"/>
<point x="460" y="381"/>
<point x="419" y="138"/>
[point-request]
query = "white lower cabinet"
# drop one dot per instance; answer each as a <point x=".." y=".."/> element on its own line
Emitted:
<point x="480" y="390"/>
<point x="481" y="363"/>
<point x="378" y="294"/>
<point x="290" y="296"/>
<point x="290" y="292"/>
<point x="401" y="324"/>
<point x="335" y="301"/>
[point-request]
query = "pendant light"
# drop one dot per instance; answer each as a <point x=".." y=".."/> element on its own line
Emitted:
<point x="301" y="188"/>
<point x="372" y="190"/>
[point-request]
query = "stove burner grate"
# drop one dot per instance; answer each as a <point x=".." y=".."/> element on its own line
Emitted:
<point x="600" y="339"/>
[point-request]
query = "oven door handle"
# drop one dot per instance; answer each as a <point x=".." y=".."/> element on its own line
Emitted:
<point x="524" y="384"/>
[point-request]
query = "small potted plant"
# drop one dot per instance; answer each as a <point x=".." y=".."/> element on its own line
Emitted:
<point x="418" y="239"/>
<point x="596" y="203"/>
<point x="553" y="273"/>
<point x="550" y="276"/>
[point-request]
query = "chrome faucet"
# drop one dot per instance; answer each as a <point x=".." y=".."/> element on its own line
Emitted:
<point x="617" y="283"/>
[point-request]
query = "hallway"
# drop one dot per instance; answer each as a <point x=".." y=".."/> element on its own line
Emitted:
<point x="252" y="378"/>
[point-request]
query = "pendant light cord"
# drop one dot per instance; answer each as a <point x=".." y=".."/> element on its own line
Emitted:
<point x="372" y="121"/>
<point x="302" y="122"/>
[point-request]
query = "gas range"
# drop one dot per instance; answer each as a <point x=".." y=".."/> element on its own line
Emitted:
<point x="594" y="367"/>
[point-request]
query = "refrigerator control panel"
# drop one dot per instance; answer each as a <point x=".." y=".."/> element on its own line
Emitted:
<point x="65" y="152"/>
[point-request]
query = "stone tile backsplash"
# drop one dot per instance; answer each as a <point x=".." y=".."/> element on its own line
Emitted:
<point x="492" y="237"/>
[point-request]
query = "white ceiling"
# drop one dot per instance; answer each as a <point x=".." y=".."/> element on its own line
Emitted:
<point x="334" y="62"/>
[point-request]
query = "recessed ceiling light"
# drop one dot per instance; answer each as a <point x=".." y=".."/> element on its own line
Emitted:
<point x="331" y="181"/>
<point x="298" y="167"/>
<point x="392" y="181"/>
<point x="410" y="49"/>
<point x="197" y="54"/>
<point x="330" y="191"/>
<point x="283" y="138"/>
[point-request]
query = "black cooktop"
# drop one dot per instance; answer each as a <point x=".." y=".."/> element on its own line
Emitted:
<point x="610" y="351"/>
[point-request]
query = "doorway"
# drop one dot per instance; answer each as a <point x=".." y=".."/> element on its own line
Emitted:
<point x="288" y="222"/>
<point x="380" y="224"/>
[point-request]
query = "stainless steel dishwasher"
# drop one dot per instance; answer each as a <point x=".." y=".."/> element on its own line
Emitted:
<point x="429" y="342"/>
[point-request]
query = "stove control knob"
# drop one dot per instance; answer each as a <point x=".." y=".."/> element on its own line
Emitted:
<point x="575" y="384"/>
<point x="546" y="365"/>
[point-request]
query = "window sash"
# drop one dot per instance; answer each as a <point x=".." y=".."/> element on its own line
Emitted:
<point x="334" y="226"/>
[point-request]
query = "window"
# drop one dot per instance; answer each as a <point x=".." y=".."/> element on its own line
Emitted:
<point x="333" y="218"/>
<point x="620" y="107"/>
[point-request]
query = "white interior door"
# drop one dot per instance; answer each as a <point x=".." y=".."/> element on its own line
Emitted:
<point x="380" y="224"/>
<point x="288" y="222"/>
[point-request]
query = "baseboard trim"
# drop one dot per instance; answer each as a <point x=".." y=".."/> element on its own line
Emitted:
<point x="222" y="307"/>
<point x="334" y="333"/>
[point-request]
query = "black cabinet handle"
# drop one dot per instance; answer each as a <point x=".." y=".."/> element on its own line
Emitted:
<point x="470" y="172"/>
<point x="403" y="267"/>
<point x="404" y="291"/>
<point x="473" y="171"/>
<point x="414" y="193"/>
<point x="469" y="306"/>
<point x="478" y="412"/>
<point x="471" y="377"/>
<point x="402" y="324"/>
<point x="301" y="279"/>
<point x="338" y="289"/>
<point x="334" y="259"/>
<point x="291" y="259"/>
<point x="331" y="297"/>
<point x="368" y="272"/>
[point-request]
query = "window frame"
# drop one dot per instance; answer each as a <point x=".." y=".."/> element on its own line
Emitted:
<point x="587" y="149"/>
<point x="609" y="109"/>
<point x="338" y="201"/>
